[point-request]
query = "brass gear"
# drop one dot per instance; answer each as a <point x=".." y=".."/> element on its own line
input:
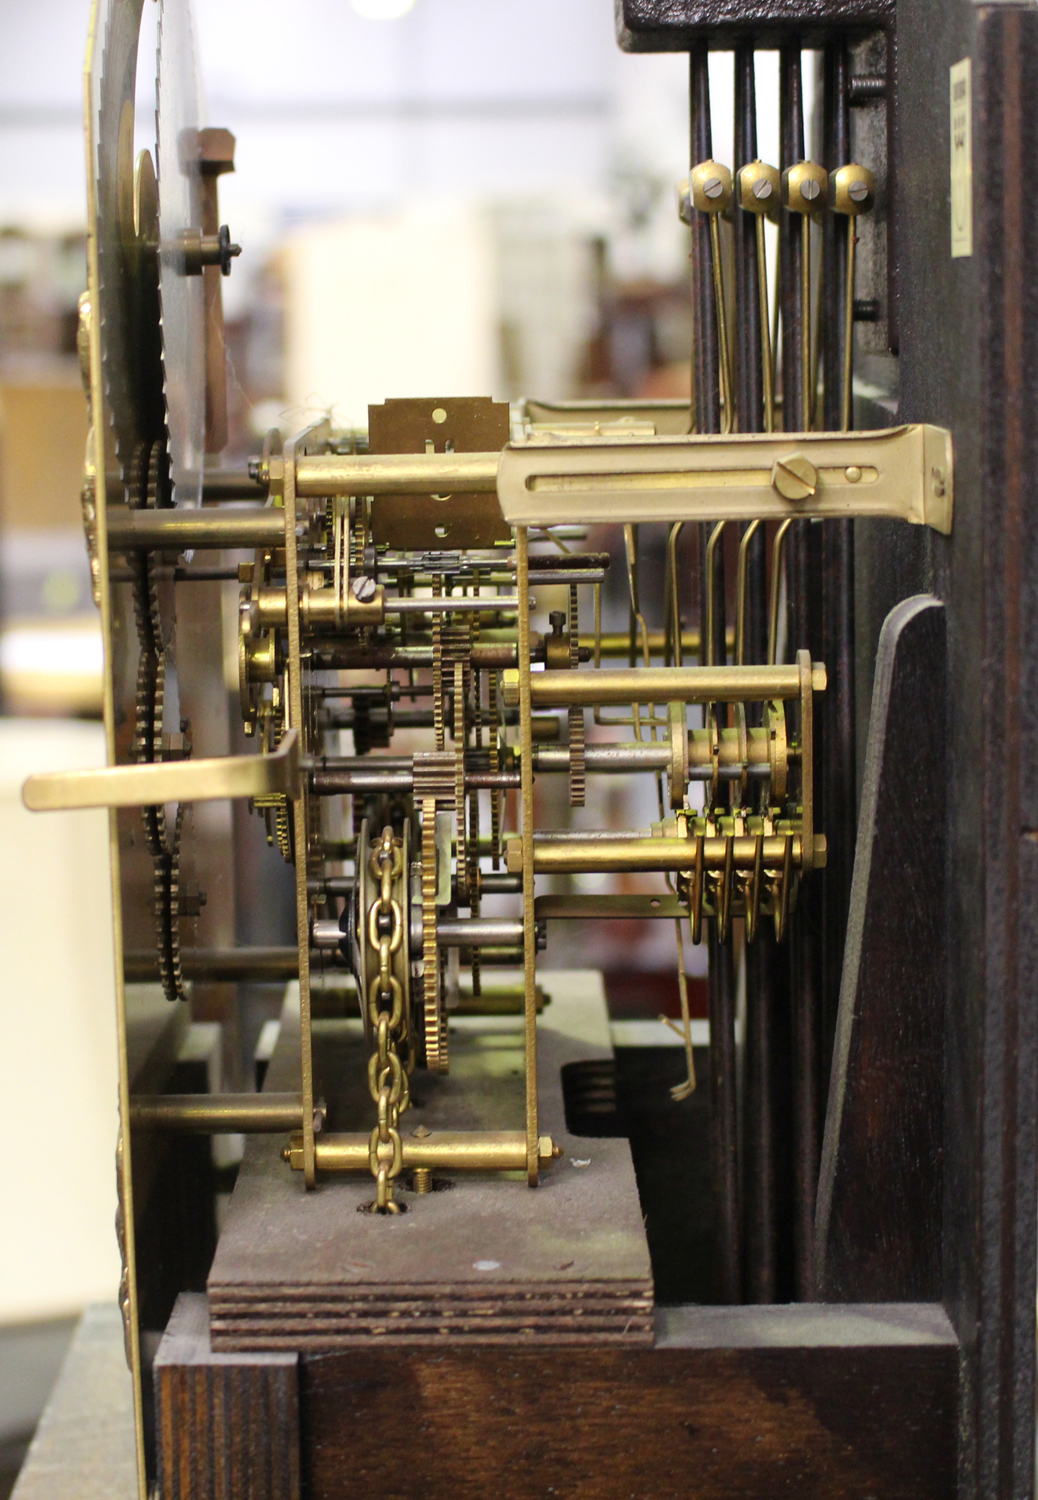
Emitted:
<point x="435" y="1017"/>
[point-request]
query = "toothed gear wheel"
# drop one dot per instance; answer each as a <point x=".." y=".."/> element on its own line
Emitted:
<point x="150" y="323"/>
<point x="167" y="914"/>
<point x="435" y="1017"/>
<point x="283" y="832"/>
<point x="156" y="671"/>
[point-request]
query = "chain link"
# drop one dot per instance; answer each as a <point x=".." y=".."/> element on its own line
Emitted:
<point x="387" y="1076"/>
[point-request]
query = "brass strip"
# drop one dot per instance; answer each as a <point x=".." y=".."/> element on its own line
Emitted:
<point x="740" y="608"/>
<point x="724" y="343"/>
<point x="847" y="395"/>
<point x="710" y="585"/>
<point x="527" y="864"/>
<point x="900" y="472"/>
<point x="777" y="554"/>
<point x="294" y="671"/>
<point x="765" y="326"/>
<point x="807" y="760"/>
<point x="608" y="908"/>
<point x="149" y="784"/>
<point x="805" y="322"/>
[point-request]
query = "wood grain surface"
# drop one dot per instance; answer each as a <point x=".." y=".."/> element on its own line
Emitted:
<point x="227" y="1425"/>
<point x="731" y="1403"/>
<point x="879" y="1195"/>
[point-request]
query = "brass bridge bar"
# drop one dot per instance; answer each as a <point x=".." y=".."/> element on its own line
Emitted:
<point x="898" y="472"/>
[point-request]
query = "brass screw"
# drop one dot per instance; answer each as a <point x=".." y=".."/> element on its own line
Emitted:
<point x="802" y="187"/>
<point x="759" y="187"/>
<point x="422" y="1181"/>
<point x="852" y="190"/>
<point x="710" y="187"/>
<point x="795" y="477"/>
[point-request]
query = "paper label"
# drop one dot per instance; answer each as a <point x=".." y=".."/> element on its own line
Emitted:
<point x="961" y="99"/>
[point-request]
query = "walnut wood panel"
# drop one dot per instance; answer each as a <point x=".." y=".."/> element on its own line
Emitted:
<point x="879" y="1197"/>
<point x="227" y="1425"/>
<point x="711" y="1412"/>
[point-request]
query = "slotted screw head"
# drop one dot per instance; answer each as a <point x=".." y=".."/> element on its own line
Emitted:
<point x="803" y="187"/>
<point x="795" y="477"/>
<point x="710" y="186"/>
<point x="759" y="186"/>
<point x="364" y="588"/>
<point x="852" y="190"/>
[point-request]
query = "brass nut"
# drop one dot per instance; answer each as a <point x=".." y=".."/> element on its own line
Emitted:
<point x="510" y="687"/>
<point x="852" y="190"/>
<point x="795" y="477"/>
<point x="711" y="187"/>
<point x="547" y="1150"/>
<point x="805" y="187"/>
<point x="760" y="187"/>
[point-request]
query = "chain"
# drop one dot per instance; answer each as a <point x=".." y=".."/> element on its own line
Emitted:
<point x="387" y="1076"/>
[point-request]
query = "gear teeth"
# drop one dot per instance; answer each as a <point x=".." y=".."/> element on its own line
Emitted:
<point x="577" y="759"/>
<point x="163" y="846"/>
<point x="283" y="832"/>
<point x="436" y="1059"/>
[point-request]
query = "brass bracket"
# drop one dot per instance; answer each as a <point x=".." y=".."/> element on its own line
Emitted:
<point x="903" y="473"/>
<point x="147" y="785"/>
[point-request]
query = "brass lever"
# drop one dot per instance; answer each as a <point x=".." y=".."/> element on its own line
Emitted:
<point x="151" y="783"/>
